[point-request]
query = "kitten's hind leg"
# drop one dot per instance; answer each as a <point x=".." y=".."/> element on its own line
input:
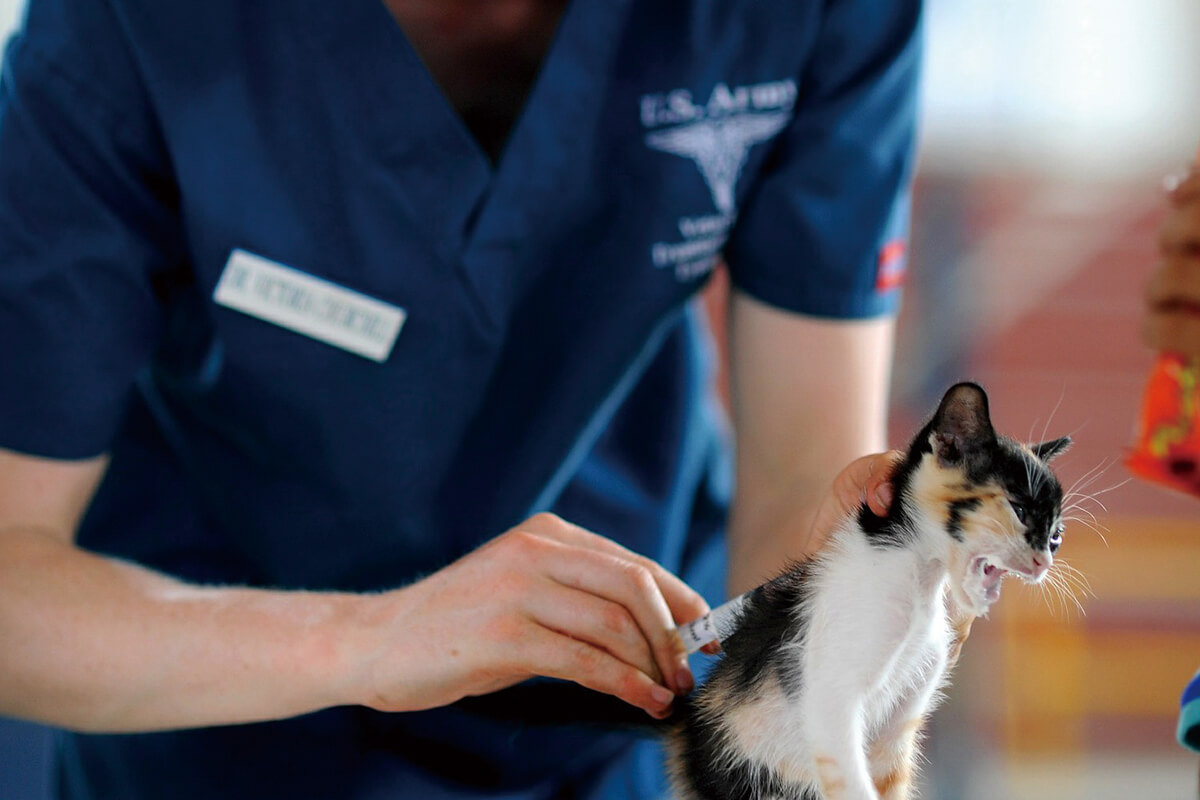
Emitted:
<point x="839" y="753"/>
<point x="893" y="753"/>
<point x="840" y="780"/>
<point x="893" y="759"/>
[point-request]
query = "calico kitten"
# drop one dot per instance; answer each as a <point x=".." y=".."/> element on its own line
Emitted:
<point x="827" y="677"/>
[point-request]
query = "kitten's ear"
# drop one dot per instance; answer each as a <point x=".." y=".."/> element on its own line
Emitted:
<point x="1048" y="450"/>
<point x="962" y="424"/>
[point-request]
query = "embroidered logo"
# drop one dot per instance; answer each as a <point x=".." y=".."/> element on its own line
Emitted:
<point x="719" y="148"/>
<point x="717" y="136"/>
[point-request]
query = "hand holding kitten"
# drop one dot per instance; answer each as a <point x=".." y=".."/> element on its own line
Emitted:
<point x="866" y="479"/>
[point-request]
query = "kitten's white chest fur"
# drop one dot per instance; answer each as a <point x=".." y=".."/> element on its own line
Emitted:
<point x="902" y="636"/>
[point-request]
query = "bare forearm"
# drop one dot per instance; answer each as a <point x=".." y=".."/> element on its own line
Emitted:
<point x="771" y="524"/>
<point x="774" y="522"/>
<point x="809" y="397"/>
<point x="95" y="644"/>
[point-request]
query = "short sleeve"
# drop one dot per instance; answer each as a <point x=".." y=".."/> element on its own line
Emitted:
<point x="87" y="229"/>
<point x="825" y="230"/>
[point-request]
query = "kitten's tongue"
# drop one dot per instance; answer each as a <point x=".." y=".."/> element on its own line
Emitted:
<point x="992" y="575"/>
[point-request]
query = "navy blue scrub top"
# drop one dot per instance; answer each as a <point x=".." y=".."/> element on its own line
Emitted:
<point x="547" y="357"/>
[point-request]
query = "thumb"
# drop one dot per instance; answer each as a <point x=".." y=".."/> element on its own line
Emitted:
<point x="867" y="479"/>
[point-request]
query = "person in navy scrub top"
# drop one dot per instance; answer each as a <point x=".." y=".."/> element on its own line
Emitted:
<point x="351" y="375"/>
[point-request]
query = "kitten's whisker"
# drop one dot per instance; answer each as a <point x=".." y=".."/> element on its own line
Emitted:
<point x="1065" y="589"/>
<point x="1078" y="513"/>
<point x="1044" y="592"/>
<point x="1071" y="510"/>
<point x="1070" y="573"/>
<point x="1074" y="500"/>
<point x="1080" y="497"/>
<point x="1085" y="517"/>
<point x="1072" y="595"/>
<point x="1096" y="494"/>
<point x="1070" y="590"/>
<point x="1050" y="588"/>
<point x="1092" y="474"/>
<point x="1057" y="405"/>
<point x="1093" y="525"/>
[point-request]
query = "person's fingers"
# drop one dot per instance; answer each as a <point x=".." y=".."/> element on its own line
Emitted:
<point x="685" y="602"/>
<point x="545" y="652"/>
<point x="879" y="490"/>
<point x="866" y="479"/>
<point x="592" y="619"/>
<point x="635" y="587"/>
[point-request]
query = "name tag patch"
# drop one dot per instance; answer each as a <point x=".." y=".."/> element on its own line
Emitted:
<point x="309" y="305"/>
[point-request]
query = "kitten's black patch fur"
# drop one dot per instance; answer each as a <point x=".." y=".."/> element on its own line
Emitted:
<point x="764" y="622"/>
<point x="958" y="509"/>
<point x="753" y="654"/>
<point x="705" y="746"/>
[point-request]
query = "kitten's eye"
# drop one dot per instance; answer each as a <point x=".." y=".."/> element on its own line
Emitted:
<point x="1055" y="540"/>
<point x="1019" y="510"/>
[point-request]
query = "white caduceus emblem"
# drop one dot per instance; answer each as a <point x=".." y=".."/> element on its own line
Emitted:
<point x="720" y="148"/>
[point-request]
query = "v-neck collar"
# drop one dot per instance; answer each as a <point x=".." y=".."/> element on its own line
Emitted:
<point x="479" y="218"/>
<point x="550" y="139"/>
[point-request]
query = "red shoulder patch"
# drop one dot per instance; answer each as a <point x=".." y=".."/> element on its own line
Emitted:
<point x="889" y="272"/>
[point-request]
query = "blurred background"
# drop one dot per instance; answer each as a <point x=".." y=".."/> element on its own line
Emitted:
<point x="1048" y="128"/>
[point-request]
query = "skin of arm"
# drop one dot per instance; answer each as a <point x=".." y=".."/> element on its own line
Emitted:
<point x="93" y="643"/>
<point x="809" y="396"/>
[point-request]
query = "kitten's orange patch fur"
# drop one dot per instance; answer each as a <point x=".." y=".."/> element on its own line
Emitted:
<point x="892" y="764"/>
<point x="830" y="775"/>
<point x="939" y="488"/>
<point x="896" y="783"/>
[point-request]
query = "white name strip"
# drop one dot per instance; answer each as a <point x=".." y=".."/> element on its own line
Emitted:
<point x="309" y="305"/>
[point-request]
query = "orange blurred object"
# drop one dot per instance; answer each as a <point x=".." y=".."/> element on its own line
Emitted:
<point x="1167" y="451"/>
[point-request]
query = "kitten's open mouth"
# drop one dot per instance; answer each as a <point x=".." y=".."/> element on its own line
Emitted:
<point x="990" y="575"/>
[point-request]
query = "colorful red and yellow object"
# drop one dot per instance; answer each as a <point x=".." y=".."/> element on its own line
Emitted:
<point x="1167" y="450"/>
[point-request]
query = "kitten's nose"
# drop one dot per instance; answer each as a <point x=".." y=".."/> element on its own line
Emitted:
<point x="1041" y="564"/>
